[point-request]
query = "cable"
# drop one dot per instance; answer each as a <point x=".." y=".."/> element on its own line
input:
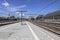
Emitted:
<point x="49" y="5"/>
<point x="5" y="1"/>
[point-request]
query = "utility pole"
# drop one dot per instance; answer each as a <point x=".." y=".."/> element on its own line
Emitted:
<point x="9" y="15"/>
<point x="21" y="14"/>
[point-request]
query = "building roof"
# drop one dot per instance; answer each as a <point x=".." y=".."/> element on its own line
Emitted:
<point x="56" y="13"/>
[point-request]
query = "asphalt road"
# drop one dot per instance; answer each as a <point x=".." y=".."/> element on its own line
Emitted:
<point x="26" y="31"/>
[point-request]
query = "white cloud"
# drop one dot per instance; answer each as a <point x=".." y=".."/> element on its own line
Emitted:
<point x="12" y="9"/>
<point x="21" y="6"/>
<point x="6" y="4"/>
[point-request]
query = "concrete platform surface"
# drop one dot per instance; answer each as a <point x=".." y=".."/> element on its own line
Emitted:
<point x="26" y="31"/>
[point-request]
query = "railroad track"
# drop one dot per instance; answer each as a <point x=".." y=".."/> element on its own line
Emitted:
<point x="53" y="27"/>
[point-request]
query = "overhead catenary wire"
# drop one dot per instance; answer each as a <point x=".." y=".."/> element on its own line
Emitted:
<point x="48" y="5"/>
<point x="5" y="0"/>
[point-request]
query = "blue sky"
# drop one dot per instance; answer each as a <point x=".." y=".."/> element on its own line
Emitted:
<point x="32" y="6"/>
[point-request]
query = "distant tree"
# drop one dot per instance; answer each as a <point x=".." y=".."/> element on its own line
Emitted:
<point x="12" y="17"/>
<point x="32" y="18"/>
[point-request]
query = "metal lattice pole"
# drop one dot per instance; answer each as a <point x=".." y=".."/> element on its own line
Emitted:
<point x="22" y="15"/>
